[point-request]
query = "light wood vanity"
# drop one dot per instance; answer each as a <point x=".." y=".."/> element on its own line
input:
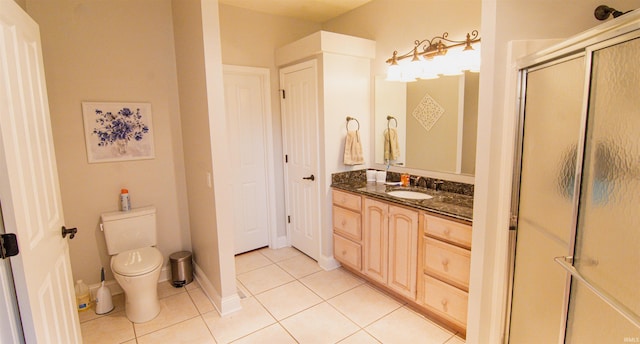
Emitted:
<point x="417" y="256"/>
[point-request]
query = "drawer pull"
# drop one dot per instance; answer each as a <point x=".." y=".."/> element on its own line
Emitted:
<point x="444" y="304"/>
<point x="447" y="232"/>
<point x="344" y="252"/>
<point x="344" y="222"/>
<point x="445" y="264"/>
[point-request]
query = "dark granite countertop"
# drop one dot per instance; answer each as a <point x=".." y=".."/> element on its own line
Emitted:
<point x="450" y="204"/>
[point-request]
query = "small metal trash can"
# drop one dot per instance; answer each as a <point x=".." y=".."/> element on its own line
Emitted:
<point x="181" y="268"/>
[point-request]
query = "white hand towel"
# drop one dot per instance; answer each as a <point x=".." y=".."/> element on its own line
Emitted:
<point x="391" y="146"/>
<point x="353" y="149"/>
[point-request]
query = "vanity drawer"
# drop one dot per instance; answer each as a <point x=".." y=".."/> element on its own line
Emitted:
<point x="447" y="262"/>
<point x="347" y="223"/>
<point x="445" y="300"/>
<point x="347" y="252"/>
<point x="447" y="230"/>
<point x="347" y="200"/>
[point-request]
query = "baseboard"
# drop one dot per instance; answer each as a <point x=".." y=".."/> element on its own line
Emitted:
<point x="225" y="305"/>
<point x="328" y="262"/>
<point x="165" y="274"/>
<point x="280" y="242"/>
<point x="113" y="286"/>
<point x="115" y="289"/>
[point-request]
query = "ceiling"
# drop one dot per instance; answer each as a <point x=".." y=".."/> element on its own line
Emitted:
<point x="318" y="11"/>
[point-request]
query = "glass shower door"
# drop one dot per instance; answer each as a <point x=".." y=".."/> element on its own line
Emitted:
<point x="552" y="127"/>
<point x="605" y="290"/>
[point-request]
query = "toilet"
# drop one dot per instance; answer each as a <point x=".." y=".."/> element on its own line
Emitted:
<point x="135" y="261"/>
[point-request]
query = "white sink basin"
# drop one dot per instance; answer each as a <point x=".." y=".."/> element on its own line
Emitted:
<point x="407" y="194"/>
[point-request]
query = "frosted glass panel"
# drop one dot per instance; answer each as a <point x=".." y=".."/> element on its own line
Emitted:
<point x="608" y="238"/>
<point x="551" y="134"/>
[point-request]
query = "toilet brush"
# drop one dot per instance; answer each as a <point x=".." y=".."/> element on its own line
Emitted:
<point x="104" y="304"/>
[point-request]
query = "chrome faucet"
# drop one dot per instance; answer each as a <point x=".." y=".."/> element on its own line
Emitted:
<point x="419" y="179"/>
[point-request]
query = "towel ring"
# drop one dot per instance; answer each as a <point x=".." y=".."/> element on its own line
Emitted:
<point x="389" y="118"/>
<point x="349" y="119"/>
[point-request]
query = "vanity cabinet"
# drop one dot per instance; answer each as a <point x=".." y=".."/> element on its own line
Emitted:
<point x="390" y="244"/>
<point x="347" y="229"/>
<point x="419" y="257"/>
<point x="444" y="266"/>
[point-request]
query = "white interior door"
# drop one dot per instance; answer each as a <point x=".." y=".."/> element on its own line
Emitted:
<point x="299" y="104"/>
<point x="10" y="327"/>
<point x="29" y="189"/>
<point x="248" y="117"/>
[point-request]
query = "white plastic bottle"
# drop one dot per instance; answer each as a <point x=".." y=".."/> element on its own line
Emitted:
<point x="125" y="201"/>
<point x="83" y="300"/>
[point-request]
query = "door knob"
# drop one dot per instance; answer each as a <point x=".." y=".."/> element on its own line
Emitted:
<point x="311" y="178"/>
<point x="71" y="231"/>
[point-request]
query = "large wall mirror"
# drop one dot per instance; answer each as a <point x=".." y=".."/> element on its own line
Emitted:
<point x="435" y="122"/>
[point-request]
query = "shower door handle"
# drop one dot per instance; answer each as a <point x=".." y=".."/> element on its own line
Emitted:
<point x="567" y="264"/>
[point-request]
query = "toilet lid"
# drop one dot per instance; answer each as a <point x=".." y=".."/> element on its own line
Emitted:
<point x="136" y="262"/>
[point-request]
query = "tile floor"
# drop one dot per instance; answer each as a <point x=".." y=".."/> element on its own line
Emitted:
<point x="288" y="298"/>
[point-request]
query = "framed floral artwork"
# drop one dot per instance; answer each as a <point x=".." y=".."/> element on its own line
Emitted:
<point x="118" y="131"/>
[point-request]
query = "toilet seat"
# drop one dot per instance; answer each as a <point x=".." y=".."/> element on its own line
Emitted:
<point x="136" y="262"/>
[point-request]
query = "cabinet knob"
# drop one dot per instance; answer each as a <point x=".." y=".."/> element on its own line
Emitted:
<point x="344" y="222"/>
<point x="344" y="252"/>
<point x="444" y="303"/>
<point x="447" y="231"/>
<point x="445" y="264"/>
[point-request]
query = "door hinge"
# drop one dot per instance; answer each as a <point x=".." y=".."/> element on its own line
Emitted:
<point x="286" y="158"/>
<point x="8" y="245"/>
<point x="513" y="222"/>
<point x="288" y="218"/>
<point x="284" y="96"/>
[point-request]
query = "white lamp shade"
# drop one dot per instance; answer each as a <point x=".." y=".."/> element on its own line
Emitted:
<point x="394" y="73"/>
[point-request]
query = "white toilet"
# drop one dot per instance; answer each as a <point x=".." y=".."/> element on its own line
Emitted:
<point x="135" y="262"/>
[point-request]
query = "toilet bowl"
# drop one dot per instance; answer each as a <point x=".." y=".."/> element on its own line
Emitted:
<point x="137" y="271"/>
<point x="136" y="263"/>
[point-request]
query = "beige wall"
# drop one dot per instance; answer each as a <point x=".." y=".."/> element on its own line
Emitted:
<point x="199" y="65"/>
<point x="250" y="38"/>
<point x="187" y="18"/>
<point x="395" y="24"/>
<point x="470" y="126"/>
<point x="116" y="50"/>
<point x="22" y="3"/>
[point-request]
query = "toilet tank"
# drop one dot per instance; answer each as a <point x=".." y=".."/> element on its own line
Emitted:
<point x="129" y="230"/>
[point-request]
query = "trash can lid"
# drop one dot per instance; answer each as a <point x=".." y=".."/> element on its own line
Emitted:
<point x="180" y="256"/>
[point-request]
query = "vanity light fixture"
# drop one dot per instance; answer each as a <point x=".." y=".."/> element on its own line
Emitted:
<point x="431" y="58"/>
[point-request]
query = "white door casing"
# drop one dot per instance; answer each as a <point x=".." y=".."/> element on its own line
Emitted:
<point x="29" y="189"/>
<point x="248" y="111"/>
<point x="299" y="107"/>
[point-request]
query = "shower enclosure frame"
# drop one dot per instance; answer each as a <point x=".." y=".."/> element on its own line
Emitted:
<point x="583" y="45"/>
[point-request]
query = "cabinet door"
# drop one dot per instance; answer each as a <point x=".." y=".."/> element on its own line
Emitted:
<point x="376" y="236"/>
<point x="403" y="250"/>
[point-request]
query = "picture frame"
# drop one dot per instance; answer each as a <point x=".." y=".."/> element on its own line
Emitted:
<point x="118" y="131"/>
